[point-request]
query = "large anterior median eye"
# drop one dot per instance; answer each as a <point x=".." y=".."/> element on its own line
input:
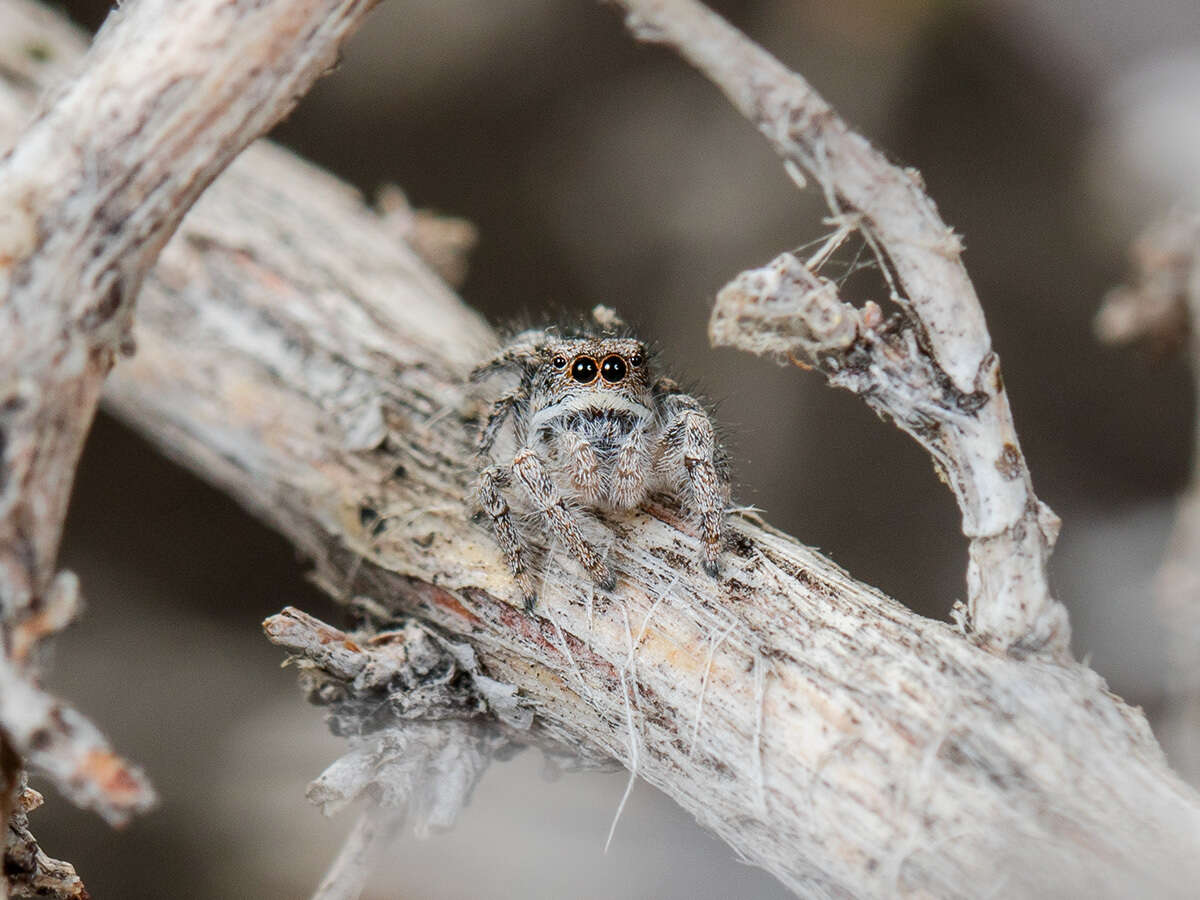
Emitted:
<point x="584" y="370"/>
<point x="613" y="369"/>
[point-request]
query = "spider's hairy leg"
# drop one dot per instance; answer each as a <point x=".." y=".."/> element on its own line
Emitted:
<point x="582" y="465"/>
<point x="522" y="349"/>
<point x="492" y="483"/>
<point x="497" y="416"/>
<point x="628" y="487"/>
<point x="689" y="442"/>
<point x="530" y="471"/>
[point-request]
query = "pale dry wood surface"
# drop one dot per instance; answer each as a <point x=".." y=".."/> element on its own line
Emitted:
<point x="294" y="353"/>
<point x="91" y="187"/>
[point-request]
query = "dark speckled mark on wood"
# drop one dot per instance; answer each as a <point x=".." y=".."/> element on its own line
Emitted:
<point x="1009" y="462"/>
<point x="541" y="632"/>
<point x="742" y="545"/>
<point x="676" y="560"/>
<point x="39" y="51"/>
<point x="368" y="517"/>
<point x="986" y="759"/>
<point x="106" y="308"/>
<point x="739" y="589"/>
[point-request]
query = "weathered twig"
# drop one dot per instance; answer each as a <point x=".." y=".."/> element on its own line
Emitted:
<point x="373" y="834"/>
<point x="947" y="393"/>
<point x="1161" y="308"/>
<point x="295" y="355"/>
<point x="30" y="873"/>
<point x="90" y="192"/>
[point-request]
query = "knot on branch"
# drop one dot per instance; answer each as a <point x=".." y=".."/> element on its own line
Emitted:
<point x="786" y="311"/>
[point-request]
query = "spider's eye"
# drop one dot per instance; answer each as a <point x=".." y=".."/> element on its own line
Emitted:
<point x="613" y="369"/>
<point x="637" y="359"/>
<point x="584" y="370"/>
<point x="559" y="362"/>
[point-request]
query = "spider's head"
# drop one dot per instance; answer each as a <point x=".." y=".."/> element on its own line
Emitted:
<point x="584" y="364"/>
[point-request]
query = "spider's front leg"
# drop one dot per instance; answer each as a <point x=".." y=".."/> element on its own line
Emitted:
<point x="497" y="416"/>
<point x="522" y="348"/>
<point x="492" y="483"/>
<point x="530" y="471"/>
<point x="689" y="443"/>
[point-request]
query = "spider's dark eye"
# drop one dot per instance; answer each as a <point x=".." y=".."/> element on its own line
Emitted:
<point x="559" y="361"/>
<point x="636" y="360"/>
<point x="613" y="369"/>
<point x="584" y="370"/>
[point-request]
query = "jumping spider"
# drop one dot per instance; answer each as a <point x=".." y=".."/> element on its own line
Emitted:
<point x="593" y="426"/>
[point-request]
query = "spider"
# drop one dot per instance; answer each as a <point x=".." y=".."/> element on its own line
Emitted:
<point x="590" y="425"/>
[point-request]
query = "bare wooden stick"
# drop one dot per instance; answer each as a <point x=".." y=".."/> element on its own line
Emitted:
<point x="369" y="839"/>
<point x="1162" y="308"/>
<point x="957" y="407"/>
<point x="90" y="192"/>
<point x="28" y="871"/>
<point x="296" y="355"/>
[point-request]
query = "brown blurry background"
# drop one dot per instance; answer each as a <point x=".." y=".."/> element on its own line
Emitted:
<point x="599" y="171"/>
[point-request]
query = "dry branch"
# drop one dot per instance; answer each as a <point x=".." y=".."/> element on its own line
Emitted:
<point x="295" y="354"/>
<point x="949" y="394"/>
<point x="28" y="870"/>
<point x="1162" y="308"/>
<point x="167" y="95"/>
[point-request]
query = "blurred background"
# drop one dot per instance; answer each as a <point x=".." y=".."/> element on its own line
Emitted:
<point x="600" y="171"/>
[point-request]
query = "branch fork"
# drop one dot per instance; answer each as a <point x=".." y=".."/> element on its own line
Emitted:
<point x="932" y="370"/>
<point x="790" y="313"/>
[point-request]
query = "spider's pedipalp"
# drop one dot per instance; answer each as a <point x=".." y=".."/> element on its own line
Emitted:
<point x="629" y="471"/>
<point x="582" y="466"/>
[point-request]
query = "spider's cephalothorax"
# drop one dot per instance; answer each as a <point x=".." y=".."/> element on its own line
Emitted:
<point x="587" y="423"/>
